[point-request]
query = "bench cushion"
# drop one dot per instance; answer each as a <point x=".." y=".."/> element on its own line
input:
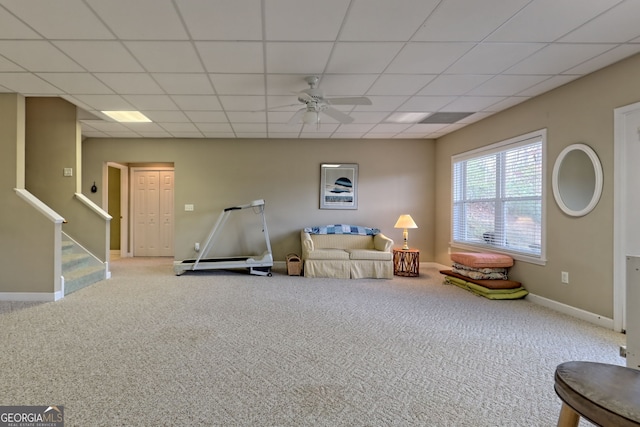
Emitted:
<point x="482" y="260"/>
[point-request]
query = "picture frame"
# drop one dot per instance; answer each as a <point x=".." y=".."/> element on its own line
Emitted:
<point x="339" y="186"/>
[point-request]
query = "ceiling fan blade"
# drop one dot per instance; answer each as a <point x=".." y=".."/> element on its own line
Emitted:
<point x="297" y="117"/>
<point x="351" y="100"/>
<point x="338" y="115"/>
<point x="275" y="107"/>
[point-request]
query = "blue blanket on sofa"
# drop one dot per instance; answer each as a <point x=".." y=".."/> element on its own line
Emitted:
<point x="342" y="229"/>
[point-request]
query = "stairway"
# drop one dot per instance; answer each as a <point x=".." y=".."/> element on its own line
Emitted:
<point x="79" y="268"/>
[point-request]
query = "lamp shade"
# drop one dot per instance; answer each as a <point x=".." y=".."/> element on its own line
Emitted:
<point x="405" y="221"/>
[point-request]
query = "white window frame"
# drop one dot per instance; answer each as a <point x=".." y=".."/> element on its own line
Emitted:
<point x="539" y="135"/>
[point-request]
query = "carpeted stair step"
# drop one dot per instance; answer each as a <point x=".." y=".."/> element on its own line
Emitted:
<point x="81" y="277"/>
<point x="72" y="261"/>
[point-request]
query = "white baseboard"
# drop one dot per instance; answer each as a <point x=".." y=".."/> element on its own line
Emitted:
<point x="31" y="296"/>
<point x="596" y="319"/>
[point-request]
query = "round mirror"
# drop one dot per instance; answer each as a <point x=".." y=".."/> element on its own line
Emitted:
<point x="577" y="180"/>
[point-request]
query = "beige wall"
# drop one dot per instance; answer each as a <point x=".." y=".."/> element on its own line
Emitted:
<point x="395" y="177"/>
<point x="27" y="238"/>
<point x="581" y="111"/>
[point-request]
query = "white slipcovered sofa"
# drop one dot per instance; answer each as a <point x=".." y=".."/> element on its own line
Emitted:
<point x="344" y="251"/>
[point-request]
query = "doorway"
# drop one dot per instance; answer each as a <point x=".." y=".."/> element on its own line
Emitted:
<point x="152" y="211"/>
<point x="626" y="230"/>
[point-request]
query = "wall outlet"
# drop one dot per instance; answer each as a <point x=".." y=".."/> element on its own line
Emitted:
<point x="197" y="247"/>
<point x="564" y="276"/>
<point x="188" y="207"/>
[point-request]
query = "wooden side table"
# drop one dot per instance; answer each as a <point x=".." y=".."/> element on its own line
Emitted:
<point x="406" y="262"/>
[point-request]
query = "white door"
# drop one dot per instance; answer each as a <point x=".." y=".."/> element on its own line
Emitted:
<point x="627" y="228"/>
<point x="153" y="212"/>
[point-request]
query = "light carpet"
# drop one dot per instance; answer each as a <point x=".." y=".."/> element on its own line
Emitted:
<point x="219" y="348"/>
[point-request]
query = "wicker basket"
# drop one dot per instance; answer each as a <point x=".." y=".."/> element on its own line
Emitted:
<point x="294" y="265"/>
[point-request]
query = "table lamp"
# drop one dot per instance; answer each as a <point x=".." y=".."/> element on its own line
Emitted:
<point x="405" y="221"/>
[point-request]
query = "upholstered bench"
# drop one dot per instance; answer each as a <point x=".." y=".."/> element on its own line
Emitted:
<point x="606" y="395"/>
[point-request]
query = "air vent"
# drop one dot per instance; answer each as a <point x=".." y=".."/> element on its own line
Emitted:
<point x="445" y="118"/>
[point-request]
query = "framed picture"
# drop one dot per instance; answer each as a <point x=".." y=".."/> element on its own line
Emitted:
<point x="338" y="186"/>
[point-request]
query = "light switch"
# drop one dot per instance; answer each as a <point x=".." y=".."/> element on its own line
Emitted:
<point x="67" y="172"/>
<point x="188" y="208"/>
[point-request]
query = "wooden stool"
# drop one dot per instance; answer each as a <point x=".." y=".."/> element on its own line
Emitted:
<point x="606" y="395"/>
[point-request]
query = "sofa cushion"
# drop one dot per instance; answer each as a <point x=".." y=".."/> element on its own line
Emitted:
<point x="369" y="254"/>
<point x="482" y="260"/>
<point x="342" y="241"/>
<point x="328" y="253"/>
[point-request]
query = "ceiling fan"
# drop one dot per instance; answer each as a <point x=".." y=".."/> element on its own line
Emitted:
<point x="316" y="103"/>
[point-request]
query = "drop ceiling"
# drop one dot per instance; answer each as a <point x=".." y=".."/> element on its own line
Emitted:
<point x="231" y="68"/>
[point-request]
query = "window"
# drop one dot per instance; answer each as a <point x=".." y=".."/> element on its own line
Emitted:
<point x="498" y="197"/>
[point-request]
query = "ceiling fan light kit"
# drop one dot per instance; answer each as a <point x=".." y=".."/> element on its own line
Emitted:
<point x="315" y="103"/>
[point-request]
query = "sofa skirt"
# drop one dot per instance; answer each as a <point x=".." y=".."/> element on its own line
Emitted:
<point x="343" y="269"/>
<point x="372" y="269"/>
<point x="333" y="269"/>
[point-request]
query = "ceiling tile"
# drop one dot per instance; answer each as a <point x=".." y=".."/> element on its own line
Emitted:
<point x="104" y="102"/>
<point x="242" y="103"/>
<point x="214" y="127"/>
<point x="547" y="20"/>
<point x="226" y="19"/>
<point x="166" y="56"/>
<point x="130" y="83"/>
<point x="207" y="116"/>
<point x="464" y="20"/>
<point x="362" y="57"/>
<point x="505" y="85"/>
<point x="426" y="57"/>
<point x="557" y="58"/>
<point x="238" y="84"/>
<point x="52" y="19"/>
<point x="385" y="20"/>
<point x="6" y="65"/>
<point x="493" y="58"/>
<point x="616" y="25"/>
<point x="472" y="103"/>
<point x="100" y="56"/>
<point x="383" y="103"/>
<point x="399" y="84"/>
<point x="231" y="57"/>
<point x="76" y="83"/>
<point x="551" y="82"/>
<point x="197" y="102"/>
<point x="37" y="55"/>
<point x="609" y="57"/>
<point x="347" y="84"/>
<point x="305" y="58"/>
<point x="304" y="19"/>
<point x="27" y="84"/>
<point x="141" y="19"/>
<point x="247" y="117"/>
<point x="13" y="28"/>
<point x="151" y="102"/>
<point x="249" y="127"/>
<point x="426" y="103"/>
<point x="506" y="103"/>
<point x="184" y="84"/>
<point x="454" y="84"/>
<point x="285" y="84"/>
<point x="164" y="116"/>
<point x="180" y="127"/>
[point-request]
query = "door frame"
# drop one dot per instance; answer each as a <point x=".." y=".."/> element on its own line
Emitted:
<point x="620" y="217"/>
<point x="133" y="170"/>
<point x="124" y="203"/>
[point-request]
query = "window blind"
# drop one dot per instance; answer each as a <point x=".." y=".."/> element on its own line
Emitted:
<point x="497" y="196"/>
